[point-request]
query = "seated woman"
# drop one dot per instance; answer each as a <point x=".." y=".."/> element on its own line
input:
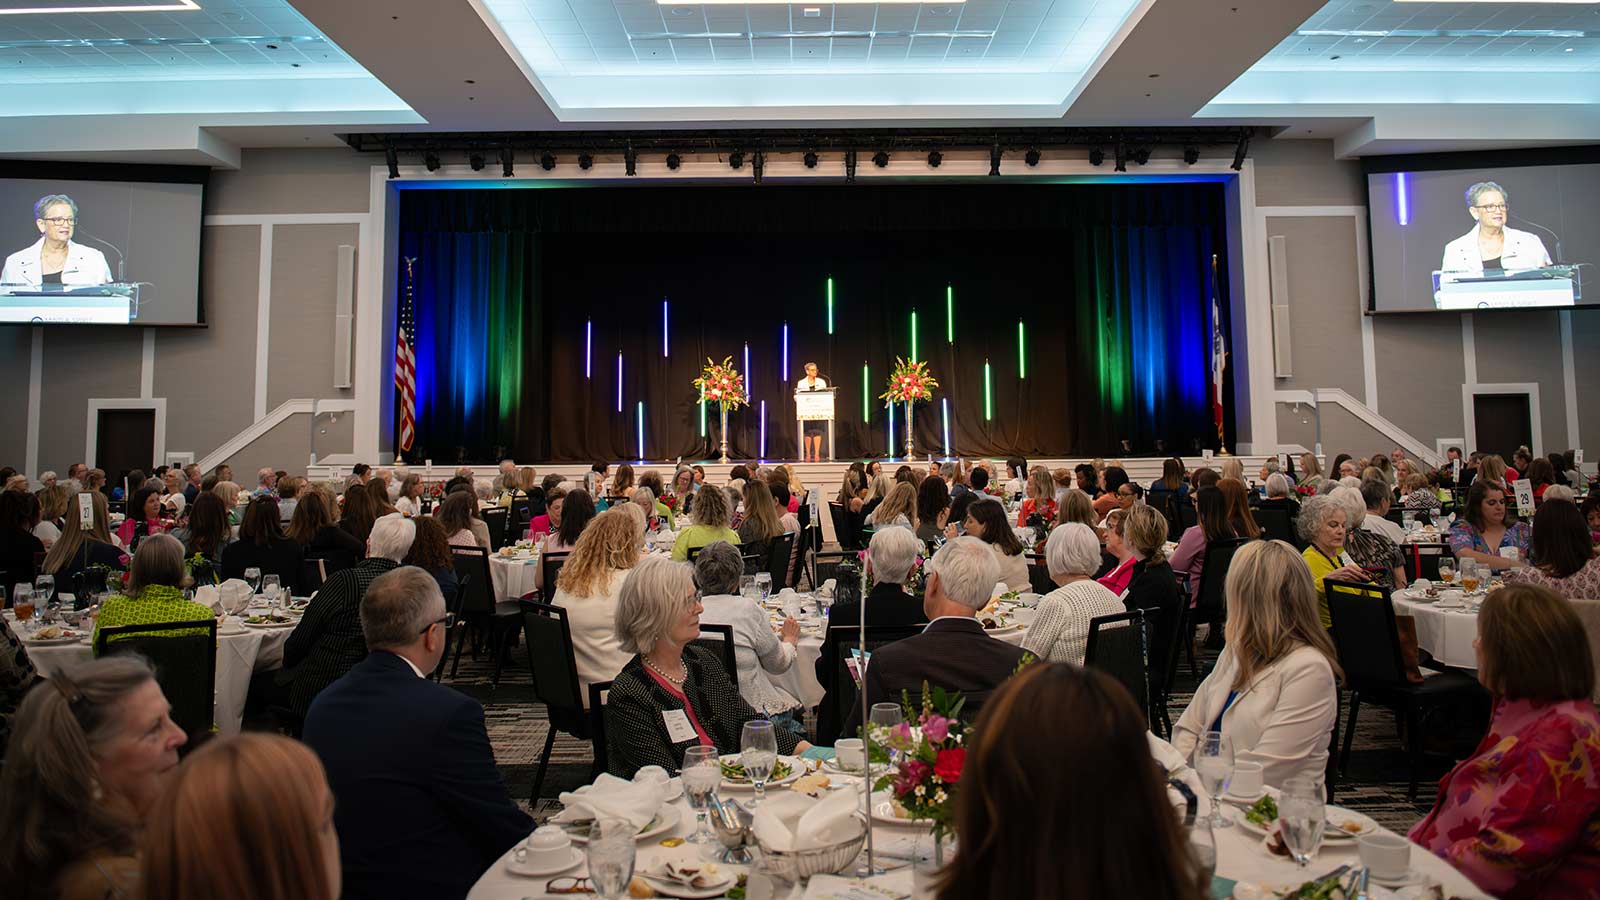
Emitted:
<point x="144" y="518"/>
<point x="155" y="591"/>
<point x="1072" y="555"/>
<point x="1112" y="478"/>
<point x="670" y="681"/>
<point x="712" y="514"/>
<point x="1116" y="794"/>
<point x="1135" y="536"/>
<point x="1417" y="494"/>
<point x="214" y="813"/>
<point x="1174" y="482"/>
<point x="92" y="749"/>
<point x="1190" y="556"/>
<point x="409" y="502"/>
<point x="458" y="514"/>
<point x="1324" y="526"/>
<point x="313" y="529"/>
<point x="933" y="508"/>
<point x="572" y="511"/>
<point x="262" y="545"/>
<point x="78" y="548"/>
<point x="889" y="561"/>
<point x="622" y="484"/>
<point x="52" y="513"/>
<point x="1563" y="553"/>
<point x="1520" y="816"/>
<point x="430" y="551"/>
<point x="206" y="533"/>
<point x="1075" y="506"/>
<point x="760" y="654"/>
<point x="1274" y="690"/>
<point x="587" y="588"/>
<point x="899" y="507"/>
<point x="358" y="512"/>
<point x="1483" y="534"/>
<point x="1541" y="474"/>
<point x="1040" y="500"/>
<point x="1311" y="469"/>
<point x="1280" y="495"/>
<point x="1492" y="470"/>
<point x="1373" y="551"/>
<point x="878" y="490"/>
<point x="1237" y="498"/>
<point x="761" y="525"/>
<point x="550" y="520"/>
<point x="229" y="492"/>
<point x="987" y="521"/>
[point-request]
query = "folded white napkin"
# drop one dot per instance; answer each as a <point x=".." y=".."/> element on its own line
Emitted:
<point x="229" y="596"/>
<point x="794" y="821"/>
<point x="1166" y="754"/>
<point x="613" y="797"/>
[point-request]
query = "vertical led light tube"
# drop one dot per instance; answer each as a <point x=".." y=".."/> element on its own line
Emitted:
<point x="866" y="395"/>
<point x="747" y="371"/>
<point x="949" y="314"/>
<point x="830" y="304"/>
<point x="914" y="355"/>
<point x="1402" y="198"/>
<point x="763" y="430"/>
<point x="641" y="431"/>
<point x="664" y="327"/>
<point x="988" y="393"/>
<point x="702" y="412"/>
<point x="785" y="371"/>
<point x="891" y="431"/>
<point x="619" y="381"/>
<point x="588" y="349"/>
<point x="1022" y="351"/>
<point x="944" y="403"/>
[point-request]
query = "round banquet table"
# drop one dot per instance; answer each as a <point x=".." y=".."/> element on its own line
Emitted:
<point x="513" y="575"/>
<point x="1240" y="856"/>
<point x="238" y="655"/>
<point x="1445" y="633"/>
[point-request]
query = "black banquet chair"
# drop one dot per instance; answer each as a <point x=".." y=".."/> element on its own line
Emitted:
<point x="719" y="640"/>
<point x="554" y="669"/>
<point x="1119" y="645"/>
<point x="496" y="619"/>
<point x="185" y="664"/>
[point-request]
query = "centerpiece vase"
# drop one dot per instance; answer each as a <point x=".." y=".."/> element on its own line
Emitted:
<point x="909" y="429"/>
<point x="724" y="418"/>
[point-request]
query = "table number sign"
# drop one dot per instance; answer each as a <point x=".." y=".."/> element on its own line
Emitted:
<point x="1455" y="469"/>
<point x="1524" y="489"/>
<point x="1577" y="456"/>
<point x="86" y="509"/>
<point x="1205" y="455"/>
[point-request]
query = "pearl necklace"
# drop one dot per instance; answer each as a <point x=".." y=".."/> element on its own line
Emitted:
<point x="659" y="671"/>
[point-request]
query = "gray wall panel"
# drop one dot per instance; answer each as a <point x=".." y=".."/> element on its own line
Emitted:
<point x="1324" y="303"/>
<point x="304" y="273"/>
<point x="1304" y="173"/>
<point x="1420" y="370"/>
<point x="16" y="347"/>
<point x="1526" y="346"/>
<point x="1586" y="368"/>
<point x="293" y="181"/>
<point x="80" y="364"/>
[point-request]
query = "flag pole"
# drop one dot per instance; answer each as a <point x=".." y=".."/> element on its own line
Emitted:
<point x="1220" y="353"/>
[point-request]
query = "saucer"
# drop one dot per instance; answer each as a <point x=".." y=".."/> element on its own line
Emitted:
<point x="530" y="870"/>
<point x="1410" y="876"/>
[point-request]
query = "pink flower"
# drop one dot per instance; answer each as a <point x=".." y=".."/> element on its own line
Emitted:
<point x="911" y="774"/>
<point x="936" y="728"/>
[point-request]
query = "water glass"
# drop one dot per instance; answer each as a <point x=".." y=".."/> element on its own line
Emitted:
<point x="272" y="588"/>
<point x="758" y="752"/>
<point x="252" y="576"/>
<point x="1213" y="762"/>
<point x="702" y="772"/>
<point x="1203" y="842"/>
<point x="1302" y="816"/>
<point x="44" y="588"/>
<point x="882" y="718"/>
<point x="764" y="584"/>
<point x="610" y="855"/>
<point x="747" y="587"/>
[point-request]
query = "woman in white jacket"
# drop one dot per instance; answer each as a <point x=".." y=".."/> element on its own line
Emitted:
<point x="1274" y="690"/>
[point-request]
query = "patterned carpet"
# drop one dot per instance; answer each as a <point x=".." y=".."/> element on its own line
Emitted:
<point x="1376" y="782"/>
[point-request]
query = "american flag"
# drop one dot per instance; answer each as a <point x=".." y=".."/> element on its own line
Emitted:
<point x="405" y="361"/>
<point x="1219" y="355"/>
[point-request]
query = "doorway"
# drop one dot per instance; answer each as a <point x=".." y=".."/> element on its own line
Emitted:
<point x="126" y="440"/>
<point x="1502" y="423"/>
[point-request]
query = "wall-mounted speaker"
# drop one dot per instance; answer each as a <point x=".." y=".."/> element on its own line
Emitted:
<point x="1278" y="268"/>
<point x="344" y="302"/>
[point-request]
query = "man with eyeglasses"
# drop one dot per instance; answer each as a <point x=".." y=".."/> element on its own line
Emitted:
<point x="55" y="258"/>
<point x="1492" y="248"/>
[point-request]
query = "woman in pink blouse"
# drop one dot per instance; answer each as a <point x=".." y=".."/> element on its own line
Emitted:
<point x="1521" y="816"/>
<point x="1563" y="554"/>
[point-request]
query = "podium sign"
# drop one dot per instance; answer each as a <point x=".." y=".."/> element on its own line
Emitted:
<point x="1549" y="286"/>
<point x="813" y="406"/>
<point x="100" y="304"/>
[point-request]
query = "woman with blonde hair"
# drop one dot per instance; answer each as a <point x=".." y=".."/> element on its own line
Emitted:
<point x="1040" y="499"/>
<point x="761" y="524"/>
<point x="1076" y="506"/>
<point x="78" y="548"/>
<point x="257" y="797"/>
<point x="899" y="507"/>
<point x="877" y="490"/>
<point x="1310" y="469"/>
<point x="1492" y="470"/>
<point x="1274" y="690"/>
<point x="1233" y="468"/>
<point x="622" y="482"/>
<point x="587" y="589"/>
<point x="52" y="513"/>
<point x="1139" y="535"/>
<point x="229" y="494"/>
<point x="710" y="522"/>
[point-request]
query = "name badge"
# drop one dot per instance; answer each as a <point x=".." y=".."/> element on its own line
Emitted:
<point x="678" y="727"/>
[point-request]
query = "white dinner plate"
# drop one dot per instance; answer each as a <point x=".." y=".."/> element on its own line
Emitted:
<point x="529" y="870"/>
<point x="797" y="767"/>
<point x="1334" y="814"/>
<point x="883" y="811"/>
<point x="666" y="819"/>
<point x="268" y="625"/>
<point x="669" y="888"/>
<point x="73" y="638"/>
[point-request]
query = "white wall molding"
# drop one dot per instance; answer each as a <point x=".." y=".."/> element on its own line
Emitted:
<point x="91" y="444"/>
<point x="265" y="424"/>
<point x="1402" y="438"/>
<point x="351" y="218"/>
<point x="147" y="365"/>
<point x="1569" y="380"/>
<point x="1469" y="390"/>
<point x="1469" y="353"/>
<point x="35" y="403"/>
<point x="263" y="321"/>
<point x="1257" y="316"/>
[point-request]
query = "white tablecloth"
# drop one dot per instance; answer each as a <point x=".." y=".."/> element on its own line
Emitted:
<point x="238" y="655"/>
<point x="1445" y="633"/>
<point x="1240" y="857"/>
<point x="513" y="576"/>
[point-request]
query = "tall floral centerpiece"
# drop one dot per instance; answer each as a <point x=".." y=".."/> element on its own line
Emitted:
<point x="926" y="754"/>
<point x="909" y="382"/>
<point x="721" y="383"/>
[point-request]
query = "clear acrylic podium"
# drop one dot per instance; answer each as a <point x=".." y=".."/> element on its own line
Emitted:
<point x="813" y="406"/>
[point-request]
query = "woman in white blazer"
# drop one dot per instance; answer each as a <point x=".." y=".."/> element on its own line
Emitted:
<point x="1490" y="245"/>
<point x="1274" y="690"/>
<point x="54" y="258"/>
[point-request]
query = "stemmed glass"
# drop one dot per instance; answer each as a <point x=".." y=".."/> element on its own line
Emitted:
<point x="1213" y="762"/>
<point x="702" y="772"/>
<point x="22" y="605"/>
<point x="1204" y="844"/>
<point x="271" y="588"/>
<point x="252" y="576"/>
<point x="1302" y="817"/>
<point x="44" y="588"/>
<point x="758" y="753"/>
<point x="610" y="855"/>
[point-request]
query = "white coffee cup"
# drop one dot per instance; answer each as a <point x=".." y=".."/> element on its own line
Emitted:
<point x="548" y="846"/>
<point x="1388" y="855"/>
<point x="850" y="753"/>
<point x="1246" y="780"/>
<point x="651" y="775"/>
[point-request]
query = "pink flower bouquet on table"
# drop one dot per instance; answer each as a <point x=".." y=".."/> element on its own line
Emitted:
<point x="929" y="747"/>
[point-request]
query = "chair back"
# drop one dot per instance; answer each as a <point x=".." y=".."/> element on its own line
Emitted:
<point x="554" y="666"/>
<point x="1188" y="517"/>
<point x="312" y="574"/>
<point x="498" y="520"/>
<point x="839" y="686"/>
<point x="598" y="691"/>
<point x="185" y="664"/>
<point x="826" y="563"/>
<point x="551" y="563"/>
<point x="1275" y="525"/>
<point x="1039" y="579"/>
<point x="1365" y="635"/>
<point x="1211" y="604"/>
<point x="452" y="626"/>
<point x="1119" y="645"/>
<point x="472" y="569"/>
<point x="777" y="562"/>
<point x="1423" y="560"/>
<point x="846" y="536"/>
<point x="1397" y="514"/>
<point x="719" y="640"/>
<point x="1170" y="505"/>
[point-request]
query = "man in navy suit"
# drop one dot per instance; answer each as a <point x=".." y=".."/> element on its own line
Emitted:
<point x="420" y="808"/>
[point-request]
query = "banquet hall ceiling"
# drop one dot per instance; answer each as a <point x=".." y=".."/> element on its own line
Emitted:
<point x="1375" y="76"/>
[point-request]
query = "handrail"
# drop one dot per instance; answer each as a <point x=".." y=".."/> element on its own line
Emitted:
<point x="1343" y="399"/>
<point x="262" y="426"/>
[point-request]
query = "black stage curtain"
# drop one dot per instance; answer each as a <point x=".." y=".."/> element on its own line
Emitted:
<point x="1112" y="283"/>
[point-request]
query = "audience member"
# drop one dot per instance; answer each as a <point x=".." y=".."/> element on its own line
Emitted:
<point x="759" y="653"/>
<point x="710" y="523"/>
<point x="1563" y="556"/>
<point x="262" y="545"/>
<point x="1280" y="495"/>
<point x="987" y="521"/>
<point x="899" y="507"/>
<point x="1274" y="690"/>
<point x="313" y="529"/>
<point x="1324" y="524"/>
<point x="409" y="500"/>
<point x="587" y="587"/>
<point x="358" y="512"/>
<point x="229" y="492"/>
<point x="1311" y="469"/>
<point x="430" y="551"/>
<point x="458" y="514"/>
<point x="1138" y="534"/>
<point x="1074" y="505"/>
<point x="1377" y="498"/>
<point x="542" y="525"/>
<point x="154" y="595"/>
<point x="1417" y="494"/>
<point x="86" y="764"/>
<point x="1072" y="554"/>
<point x="1087" y="479"/>
<point x="671" y="679"/>
<point x="1040" y="501"/>
<point x="79" y="547"/>
<point x="419" y="806"/>
<point x="1173" y="482"/>
<point x="1373" y="551"/>
<point x="1521" y="816"/>
<point x="1111" y="479"/>
<point x="290" y="489"/>
<point x="52" y="514"/>
<point x="143" y="518"/>
<point x="1237" y="503"/>
<point x="933" y="508"/>
<point x="1484" y="525"/>
<point x="378" y="489"/>
<point x="622" y="483"/>
<point x="1189" y="558"/>
<point x="328" y="641"/>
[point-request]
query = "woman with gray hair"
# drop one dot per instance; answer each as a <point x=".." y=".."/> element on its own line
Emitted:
<point x="1376" y="554"/>
<point x="55" y="258"/>
<point x="760" y="653"/>
<point x="1072" y="555"/>
<point x="1324" y="524"/>
<point x="1280" y="495"/>
<point x="1491" y="247"/>
<point x="673" y="694"/>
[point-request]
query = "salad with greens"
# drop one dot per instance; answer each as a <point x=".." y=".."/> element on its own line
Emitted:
<point x="1263" y="812"/>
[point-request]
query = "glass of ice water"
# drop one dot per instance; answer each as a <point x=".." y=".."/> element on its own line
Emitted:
<point x="1213" y="762"/>
<point x="702" y="772"/>
<point x="1203" y="842"/>
<point x="764" y="584"/>
<point x="1302" y="816"/>
<point x="610" y="855"/>
<point x="758" y="752"/>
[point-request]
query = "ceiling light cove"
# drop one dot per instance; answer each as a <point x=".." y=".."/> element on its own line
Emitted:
<point x="78" y="7"/>
<point x="693" y="60"/>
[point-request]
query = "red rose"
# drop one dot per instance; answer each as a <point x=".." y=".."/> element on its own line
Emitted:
<point x="947" y="764"/>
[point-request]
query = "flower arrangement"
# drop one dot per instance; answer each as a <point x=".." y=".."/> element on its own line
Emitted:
<point x="1305" y="490"/>
<point x="910" y="381"/>
<point x="197" y="563"/>
<point x="721" y="384"/>
<point x="930" y="753"/>
<point x="433" y="489"/>
<point x="671" y="501"/>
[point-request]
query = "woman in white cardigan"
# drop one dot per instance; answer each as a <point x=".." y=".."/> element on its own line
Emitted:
<point x="587" y="588"/>
<point x="759" y="653"/>
<point x="1059" y="633"/>
<point x="1274" y="690"/>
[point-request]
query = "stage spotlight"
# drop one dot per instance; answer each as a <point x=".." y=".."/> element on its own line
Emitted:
<point x="810" y="159"/>
<point x="1097" y="157"/>
<point x="630" y="161"/>
<point x="758" y="161"/>
<point x="994" y="160"/>
<point x="506" y="159"/>
<point x="935" y="158"/>
<point x="1031" y="157"/>
<point x="547" y="161"/>
<point x="1141" y="155"/>
<point x="476" y="161"/>
<point x="393" y="159"/>
<point x="1242" y="148"/>
<point x="736" y="159"/>
<point x="1191" y="155"/>
<point x="674" y="161"/>
<point x="1122" y="158"/>
<point x="585" y="161"/>
<point x="431" y="160"/>
<point x="880" y="159"/>
<point x="849" y="167"/>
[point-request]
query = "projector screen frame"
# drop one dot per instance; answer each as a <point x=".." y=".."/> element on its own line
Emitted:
<point x="1584" y="154"/>
<point x="124" y="172"/>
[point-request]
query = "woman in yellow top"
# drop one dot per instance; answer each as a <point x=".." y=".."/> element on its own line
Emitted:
<point x="155" y="590"/>
<point x="710" y="517"/>
<point x="1322" y="526"/>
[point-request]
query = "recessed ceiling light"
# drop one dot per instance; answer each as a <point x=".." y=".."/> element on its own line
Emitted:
<point x="682" y="11"/>
<point x="939" y="11"/>
<point x="813" y="12"/>
<point x="174" y="6"/>
<point x="1570" y="49"/>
